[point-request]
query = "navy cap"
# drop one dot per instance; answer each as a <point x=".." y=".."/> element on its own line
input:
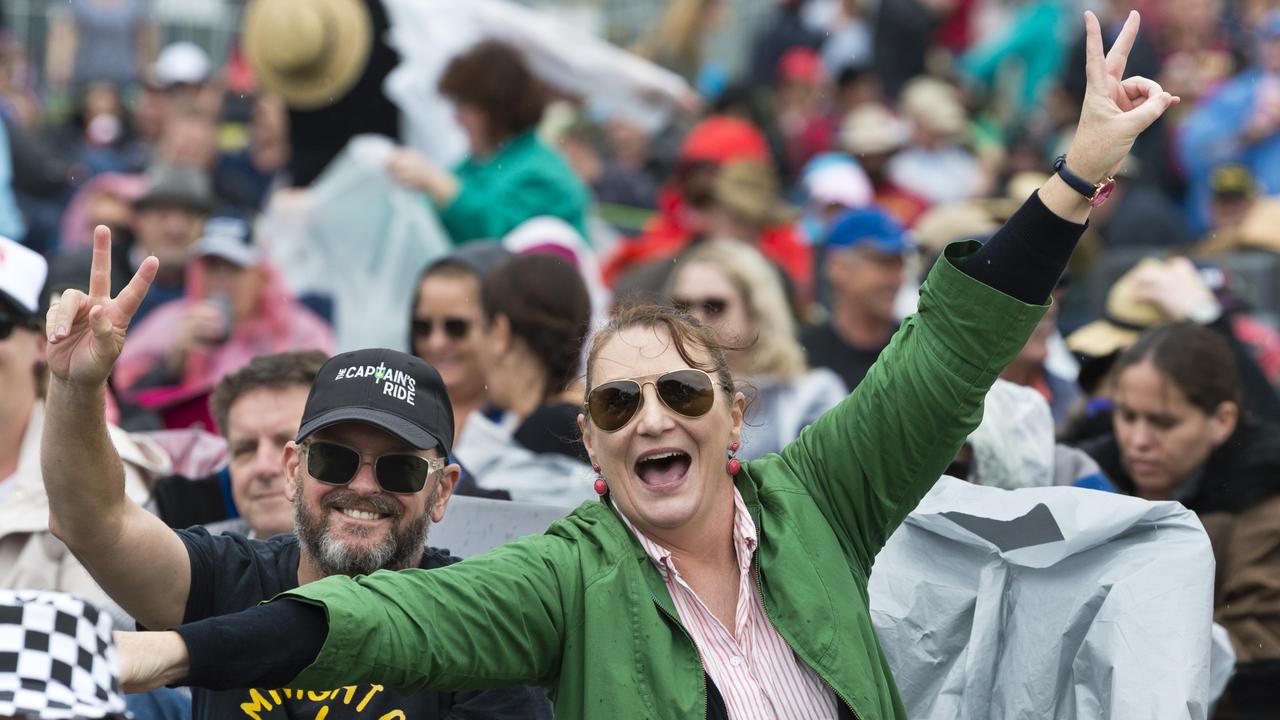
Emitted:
<point x="871" y="227"/>
<point x="390" y="390"/>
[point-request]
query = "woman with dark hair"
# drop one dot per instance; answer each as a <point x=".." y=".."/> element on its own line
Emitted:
<point x="538" y="315"/>
<point x="509" y="175"/>
<point x="1180" y="435"/>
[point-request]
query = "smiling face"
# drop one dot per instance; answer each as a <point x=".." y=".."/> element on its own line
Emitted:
<point x="707" y="294"/>
<point x="666" y="472"/>
<point x="450" y="306"/>
<point x="1164" y="439"/>
<point x="358" y="527"/>
<point x="867" y="279"/>
<point x="260" y="425"/>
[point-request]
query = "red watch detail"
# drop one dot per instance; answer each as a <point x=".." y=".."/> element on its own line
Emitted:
<point x="1103" y="191"/>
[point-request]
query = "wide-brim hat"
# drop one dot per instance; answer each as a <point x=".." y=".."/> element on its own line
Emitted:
<point x="872" y="130"/>
<point x="750" y="189"/>
<point x="309" y="53"/>
<point x="1125" y="320"/>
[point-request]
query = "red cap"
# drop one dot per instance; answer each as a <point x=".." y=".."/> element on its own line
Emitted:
<point x="720" y="139"/>
<point x="800" y="64"/>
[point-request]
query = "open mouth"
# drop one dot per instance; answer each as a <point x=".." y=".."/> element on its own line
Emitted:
<point x="663" y="469"/>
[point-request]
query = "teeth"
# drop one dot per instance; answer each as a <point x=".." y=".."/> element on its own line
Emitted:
<point x="360" y="514"/>
<point x="661" y="456"/>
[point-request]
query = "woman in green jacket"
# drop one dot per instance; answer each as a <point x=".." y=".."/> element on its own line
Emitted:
<point x="699" y="586"/>
<point x="510" y="175"/>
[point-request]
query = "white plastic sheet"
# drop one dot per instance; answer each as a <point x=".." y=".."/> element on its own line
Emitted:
<point x="359" y="237"/>
<point x="1046" y="603"/>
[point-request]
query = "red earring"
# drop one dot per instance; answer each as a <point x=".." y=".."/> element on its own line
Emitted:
<point x="601" y="486"/>
<point x="734" y="465"/>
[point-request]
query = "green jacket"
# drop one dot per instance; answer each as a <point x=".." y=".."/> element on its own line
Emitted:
<point x="522" y="180"/>
<point x="582" y="611"/>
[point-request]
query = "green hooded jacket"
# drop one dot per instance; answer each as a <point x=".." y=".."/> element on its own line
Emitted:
<point x="582" y="611"/>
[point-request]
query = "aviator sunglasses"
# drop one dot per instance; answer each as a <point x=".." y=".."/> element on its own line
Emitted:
<point x="455" y="328"/>
<point x="689" y="392"/>
<point x="399" y="473"/>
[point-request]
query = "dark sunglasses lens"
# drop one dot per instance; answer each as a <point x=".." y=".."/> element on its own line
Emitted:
<point x="6" y="327"/>
<point x="422" y="329"/>
<point x="688" y="392"/>
<point x="456" y="328"/>
<point x="402" y="473"/>
<point x="332" y="464"/>
<point x="714" y="308"/>
<point x="613" y="404"/>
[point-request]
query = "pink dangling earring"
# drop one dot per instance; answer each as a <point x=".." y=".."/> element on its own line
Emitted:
<point x="601" y="486"/>
<point x="734" y="464"/>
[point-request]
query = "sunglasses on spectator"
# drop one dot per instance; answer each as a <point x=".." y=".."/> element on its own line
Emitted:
<point x="709" y="307"/>
<point x="398" y="473"/>
<point x="689" y="392"/>
<point x="7" y="324"/>
<point x="455" y="328"/>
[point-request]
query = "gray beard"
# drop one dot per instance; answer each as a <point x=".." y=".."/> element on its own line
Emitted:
<point x="402" y="548"/>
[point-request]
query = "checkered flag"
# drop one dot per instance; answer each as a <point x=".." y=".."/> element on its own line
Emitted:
<point x="57" y="659"/>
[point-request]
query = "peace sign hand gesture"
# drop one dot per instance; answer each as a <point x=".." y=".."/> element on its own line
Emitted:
<point x="1116" y="110"/>
<point x="86" y="332"/>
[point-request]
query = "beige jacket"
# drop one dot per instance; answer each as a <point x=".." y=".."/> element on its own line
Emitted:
<point x="30" y="556"/>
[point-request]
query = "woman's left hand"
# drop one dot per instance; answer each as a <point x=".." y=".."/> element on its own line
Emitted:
<point x="1116" y="109"/>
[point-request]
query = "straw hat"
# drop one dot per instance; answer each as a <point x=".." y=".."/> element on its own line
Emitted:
<point x="750" y="189"/>
<point x="1126" y="318"/>
<point x="935" y="105"/>
<point x="310" y="53"/>
<point x="872" y="130"/>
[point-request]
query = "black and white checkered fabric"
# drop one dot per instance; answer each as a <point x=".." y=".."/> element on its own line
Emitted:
<point x="57" y="660"/>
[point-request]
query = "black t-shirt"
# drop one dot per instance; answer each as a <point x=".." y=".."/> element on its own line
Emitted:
<point x="825" y="349"/>
<point x="230" y="573"/>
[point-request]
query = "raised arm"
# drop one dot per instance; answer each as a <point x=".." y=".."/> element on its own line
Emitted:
<point x="131" y="553"/>
<point x="870" y="460"/>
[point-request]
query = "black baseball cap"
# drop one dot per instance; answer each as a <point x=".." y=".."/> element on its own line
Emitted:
<point x="389" y="390"/>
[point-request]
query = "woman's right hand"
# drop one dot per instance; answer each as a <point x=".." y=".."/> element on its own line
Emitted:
<point x="150" y="660"/>
<point x="86" y="332"/>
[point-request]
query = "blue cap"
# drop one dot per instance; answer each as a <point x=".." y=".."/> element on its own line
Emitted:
<point x="869" y="226"/>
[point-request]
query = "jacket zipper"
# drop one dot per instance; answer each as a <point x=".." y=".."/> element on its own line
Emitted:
<point x="706" y="713"/>
<point x="755" y="561"/>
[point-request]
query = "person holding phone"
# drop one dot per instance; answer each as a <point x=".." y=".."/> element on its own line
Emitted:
<point x="236" y="308"/>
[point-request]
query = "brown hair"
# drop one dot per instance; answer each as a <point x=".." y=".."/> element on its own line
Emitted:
<point x="493" y="77"/>
<point x="546" y="301"/>
<point x="685" y="331"/>
<point x="1198" y="361"/>
<point x="265" y="372"/>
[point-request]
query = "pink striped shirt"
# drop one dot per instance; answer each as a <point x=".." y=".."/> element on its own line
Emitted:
<point x="755" y="670"/>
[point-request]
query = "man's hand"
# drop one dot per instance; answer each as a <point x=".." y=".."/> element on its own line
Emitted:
<point x="1116" y="110"/>
<point x="86" y="332"/>
<point x="150" y="660"/>
<point x="1175" y="287"/>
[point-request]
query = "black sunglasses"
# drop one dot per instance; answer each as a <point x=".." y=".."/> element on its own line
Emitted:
<point x="710" y="307"/>
<point x="455" y="328"/>
<point x="689" y="392"/>
<point x="7" y="324"/>
<point x="399" y="473"/>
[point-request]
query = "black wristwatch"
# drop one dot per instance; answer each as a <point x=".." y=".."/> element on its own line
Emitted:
<point x="1095" y="193"/>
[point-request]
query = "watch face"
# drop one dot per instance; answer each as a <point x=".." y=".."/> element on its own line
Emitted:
<point x="1103" y="192"/>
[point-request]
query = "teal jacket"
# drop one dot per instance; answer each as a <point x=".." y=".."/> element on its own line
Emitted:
<point x="582" y="611"/>
<point x="523" y="179"/>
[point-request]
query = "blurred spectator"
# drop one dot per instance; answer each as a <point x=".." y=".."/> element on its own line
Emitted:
<point x="1030" y="368"/>
<point x="12" y="223"/>
<point x="1239" y="123"/>
<point x="106" y="199"/>
<point x="873" y="134"/>
<point x="1239" y="218"/>
<point x="857" y="85"/>
<point x="848" y="34"/>
<point x="677" y="41"/>
<point x="802" y="107"/>
<point x="782" y="30"/>
<point x="1139" y="215"/>
<point x="832" y="184"/>
<point x="235" y="308"/>
<point x="111" y="41"/>
<point x="684" y="201"/>
<point x="1180" y="435"/>
<point x="258" y="409"/>
<point x="746" y="206"/>
<point x="903" y="32"/>
<point x="189" y="139"/>
<point x="615" y="178"/>
<point x="866" y="267"/>
<point x="510" y="175"/>
<point x="448" y="323"/>
<point x="1021" y="45"/>
<point x="30" y="556"/>
<point x="99" y="140"/>
<point x="527" y="444"/>
<point x="1196" y="50"/>
<point x="245" y="178"/>
<point x="734" y="291"/>
<point x="936" y="166"/>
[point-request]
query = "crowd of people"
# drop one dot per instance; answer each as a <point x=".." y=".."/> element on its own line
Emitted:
<point x="741" y="321"/>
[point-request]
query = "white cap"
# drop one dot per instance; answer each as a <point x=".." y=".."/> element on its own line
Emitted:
<point x="844" y="184"/>
<point x="181" y="63"/>
<point x="22" y="275"/>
